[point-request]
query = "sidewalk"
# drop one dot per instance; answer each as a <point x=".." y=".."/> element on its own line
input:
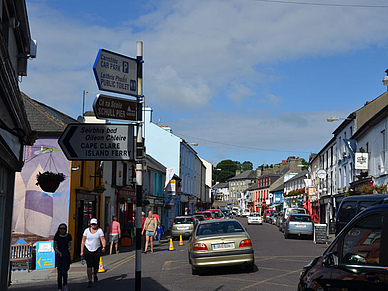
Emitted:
<point x="77" y="270"/>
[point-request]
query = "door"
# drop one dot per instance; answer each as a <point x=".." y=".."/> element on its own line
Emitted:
<point x="86" y="209"/>
<point x="360" y="263"/>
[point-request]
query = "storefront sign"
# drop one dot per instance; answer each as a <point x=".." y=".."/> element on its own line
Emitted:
<point x="361" y="161"/>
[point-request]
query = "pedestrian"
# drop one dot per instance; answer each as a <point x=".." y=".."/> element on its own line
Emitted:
<point x="159" y="231"/>
<point x="156" y="215"/>
<point x="143" y="237"/>
<point x="186" y="211"/>
<point x="63" y="243"/>
<point x="114" y="234"/>
<point x="92" y="240"/>
<point x="149" y="228"/>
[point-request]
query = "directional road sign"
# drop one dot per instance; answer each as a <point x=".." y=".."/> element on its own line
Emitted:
<point x="108" y="107"/>
<point x="115" y="73"/>
<point x="98" y="142"/>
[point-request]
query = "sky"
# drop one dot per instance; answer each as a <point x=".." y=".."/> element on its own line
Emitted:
<point x="248" y="80"/>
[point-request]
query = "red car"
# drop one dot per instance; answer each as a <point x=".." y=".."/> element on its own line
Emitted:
<point x="200" y="217"/>
<point x="207" y="214"/>
<point x="217" y="213"/>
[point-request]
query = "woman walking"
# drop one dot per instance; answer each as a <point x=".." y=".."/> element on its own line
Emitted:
<point x="149" y="228"/>
<point x="114" y="234"/>
<point x="63" y="243"/>
<point x="92" y="240"/>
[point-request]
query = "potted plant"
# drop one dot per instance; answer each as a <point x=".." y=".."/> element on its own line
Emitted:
<point x="121" y="200"/>
<point x="49" y="181"/>
<point x="366" y="189"/>
<point x="146" y="202"/>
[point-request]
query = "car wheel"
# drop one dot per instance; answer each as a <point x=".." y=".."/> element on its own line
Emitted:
<point x="195" y="271"/>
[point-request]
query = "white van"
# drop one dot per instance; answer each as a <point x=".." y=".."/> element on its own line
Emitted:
<point x="245" y="212"/>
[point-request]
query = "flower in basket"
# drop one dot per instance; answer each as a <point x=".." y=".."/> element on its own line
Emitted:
<point x="99" y="189"/>
<point x="49" y="181"/>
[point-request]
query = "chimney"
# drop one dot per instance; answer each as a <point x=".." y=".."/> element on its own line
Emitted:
<point x="385" y="79"/>
<point x="238" y="172"/>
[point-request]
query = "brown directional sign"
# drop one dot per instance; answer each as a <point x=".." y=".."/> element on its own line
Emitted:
<point x="108" y="107"/>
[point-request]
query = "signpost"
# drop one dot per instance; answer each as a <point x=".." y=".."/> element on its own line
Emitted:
<point x="98" y="142"/>
<point x="116" y="73"/>
<point x="45" y="255"/>
<point x="108" y="107"/>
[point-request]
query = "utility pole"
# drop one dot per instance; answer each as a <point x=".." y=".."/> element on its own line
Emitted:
<point x="140" y="154"/>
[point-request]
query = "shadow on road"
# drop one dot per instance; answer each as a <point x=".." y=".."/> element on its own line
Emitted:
<point x="105" y="284"/>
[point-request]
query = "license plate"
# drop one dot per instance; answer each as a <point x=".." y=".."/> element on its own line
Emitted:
<point x="301" y="225"/>
<point x="223" y="246"/>
<point x="182" y="227"/>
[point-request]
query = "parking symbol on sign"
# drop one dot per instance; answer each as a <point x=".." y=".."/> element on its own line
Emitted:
<point x="125" y="67"/>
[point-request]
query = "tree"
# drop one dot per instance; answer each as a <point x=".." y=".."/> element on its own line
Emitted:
<point x="226" y="169"/>
<point x="245" y="166"/>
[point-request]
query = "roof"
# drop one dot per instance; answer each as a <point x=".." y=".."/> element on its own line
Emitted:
<point x="250" y="174"/>
<point x="298" y="176"/>
<point x="45" y="119"/>
<point x="277" y="189"/>
<point x="221" y="185"/>
<point x="253" y="187"/>
<point x="154" y="164"/>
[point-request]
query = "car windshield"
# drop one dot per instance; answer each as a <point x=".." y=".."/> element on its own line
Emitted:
<point x="300" y="218"/>
<point x="255" y="214"/>
<point x="219" y="228"/>
<point x="297" y="211"/>
<point x="183" y="220"/>
<point x="199" y="217"/>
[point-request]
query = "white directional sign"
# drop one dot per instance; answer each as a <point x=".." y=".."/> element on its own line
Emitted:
<point x="115" y="73"/>
<point x="98" y="142"/>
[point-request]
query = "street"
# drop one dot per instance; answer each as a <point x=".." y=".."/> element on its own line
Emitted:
<point x="278" y="264"/>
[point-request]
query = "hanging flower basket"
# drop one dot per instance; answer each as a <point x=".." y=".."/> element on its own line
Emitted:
<point x="146" y="202"/>
<point x="168" y="206"/>
<point x="121" y="200"/>
<point x="49" y="181"/>
<point x="99" y="189"/>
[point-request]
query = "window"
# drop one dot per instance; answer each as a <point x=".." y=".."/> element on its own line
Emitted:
<point x="362" y="243"/>
<point x="347" y="212"/>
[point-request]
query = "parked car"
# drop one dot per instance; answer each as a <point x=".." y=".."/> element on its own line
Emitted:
<point x="218" y="243"/>
<point x="352" y="205"/>
<point x="208" y="215"/>
<point x="280" y="221"/>
<point x="298" y="224"/>
<point x="236" y="211"/>
<point x="254" y="218"/>
<point x="277" y="222"/>
<point x="356" y="259"/>
<point x="267" y="214"/>
<point x="200" y="217"/>
<point x="217" y="213"/>
<point x="291" y="210"/>
<point x="245" y="212"/>
<point x="183" y="225"/>
<point x="273" y="218"/>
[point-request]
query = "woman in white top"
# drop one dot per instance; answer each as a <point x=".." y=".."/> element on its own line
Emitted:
<point x="92" y="240"/>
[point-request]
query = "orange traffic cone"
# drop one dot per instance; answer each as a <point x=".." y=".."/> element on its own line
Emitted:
<point x="171" y="248"/>
<point x="181" y="241"/>
<point x="101" y="266"/>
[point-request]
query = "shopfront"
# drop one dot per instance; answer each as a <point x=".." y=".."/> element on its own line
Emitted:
<point x="126" y="204"/>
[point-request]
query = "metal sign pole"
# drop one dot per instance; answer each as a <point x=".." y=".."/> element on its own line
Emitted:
<point x="140" y="153"/>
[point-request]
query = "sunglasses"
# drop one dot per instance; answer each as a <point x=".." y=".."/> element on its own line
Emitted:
<point x="62" y="228"/>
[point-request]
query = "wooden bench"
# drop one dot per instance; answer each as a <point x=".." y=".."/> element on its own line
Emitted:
<point x="21" y="256"/>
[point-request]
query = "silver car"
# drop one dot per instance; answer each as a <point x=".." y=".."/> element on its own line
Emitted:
<point x="183" y="226"/>
<point x="298" y="224"/>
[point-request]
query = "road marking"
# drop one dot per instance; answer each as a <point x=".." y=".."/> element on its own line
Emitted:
<point x="266" y="281"/>
<point x="166" y="265"/>
<point x="121" y="262"/>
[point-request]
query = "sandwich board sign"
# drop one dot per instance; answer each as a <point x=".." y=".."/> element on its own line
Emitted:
<point x="98" y="142"/>
<point x="115" y="73"/>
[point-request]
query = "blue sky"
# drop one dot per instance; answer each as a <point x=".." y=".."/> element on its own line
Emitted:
<point x="247" y="80"/>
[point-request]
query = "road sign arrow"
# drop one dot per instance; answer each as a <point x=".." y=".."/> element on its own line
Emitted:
<point x="68" y="134"/>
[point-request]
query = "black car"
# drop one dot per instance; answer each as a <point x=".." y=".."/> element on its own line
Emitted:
<point x="350" y="206"/>
<point x="357" y="259"/>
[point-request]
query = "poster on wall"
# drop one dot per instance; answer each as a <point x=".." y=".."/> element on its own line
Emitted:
<point x="37" y="212"/>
